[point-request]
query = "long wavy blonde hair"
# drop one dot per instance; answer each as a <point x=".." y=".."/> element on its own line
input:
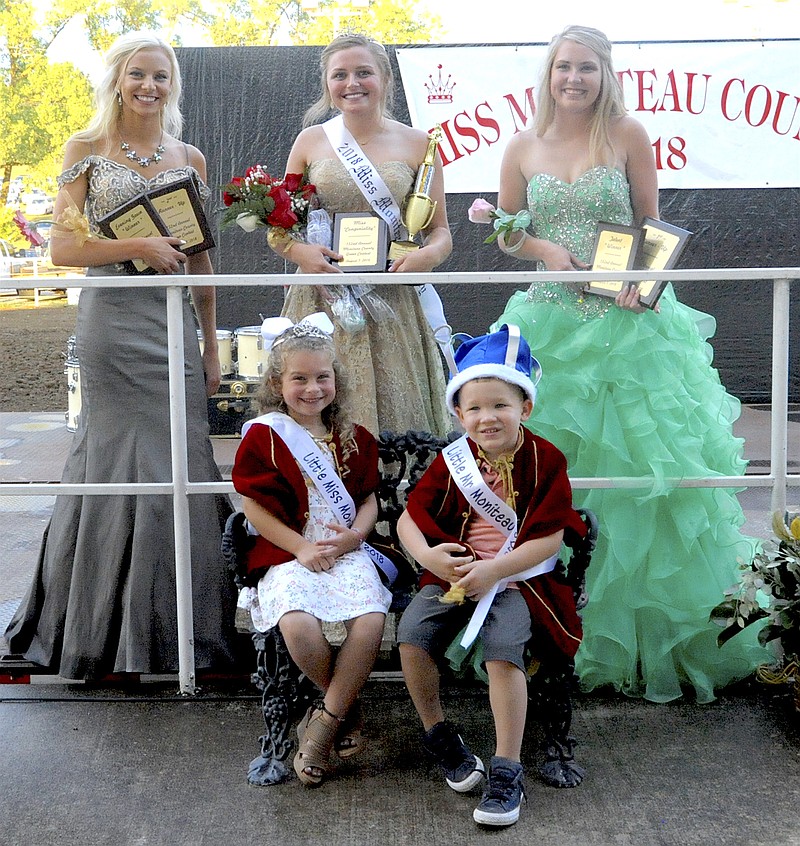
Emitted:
<point x="107" y="110"/>
<point x="609" y="103"/>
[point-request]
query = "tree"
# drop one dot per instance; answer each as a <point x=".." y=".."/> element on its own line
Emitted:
<point x="65" y="107"/>
<point x="387" y="21"/>
<point x="41" y="104"/>
<point x="250" y="22"/>
<point x="265" y="22"/>
<point x="104" y="21"/>
<point x="22" y="140"/>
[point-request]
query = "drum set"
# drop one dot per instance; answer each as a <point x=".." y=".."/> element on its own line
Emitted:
<point x="243" y="361"/>
<point x="241" y="353"/>
<point x="72" y="370"/>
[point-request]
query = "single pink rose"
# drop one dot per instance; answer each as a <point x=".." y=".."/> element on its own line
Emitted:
<point x="480" y="211"/>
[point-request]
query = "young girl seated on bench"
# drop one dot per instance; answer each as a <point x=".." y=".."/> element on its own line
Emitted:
<point x="308" y="477"/>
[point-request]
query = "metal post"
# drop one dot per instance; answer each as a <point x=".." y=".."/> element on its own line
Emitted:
<point x="180" y="497"/>
<point x="780" y="392"/>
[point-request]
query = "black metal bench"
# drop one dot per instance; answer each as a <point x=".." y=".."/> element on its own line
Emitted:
<point x="286" y="693"/>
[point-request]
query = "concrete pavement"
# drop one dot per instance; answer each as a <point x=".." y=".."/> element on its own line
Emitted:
<point x="107" y="767"/>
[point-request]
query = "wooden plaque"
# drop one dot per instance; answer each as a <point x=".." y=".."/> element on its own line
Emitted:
<point x="660" y="248"/>
<point x="136" y="219"/>
<point x="362" y="238"/>
<point x="175" y="209"/>
<point x="181" y="209"/>
<point x="616" y="247"/>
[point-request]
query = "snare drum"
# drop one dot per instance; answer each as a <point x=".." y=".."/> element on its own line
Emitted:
<point x="225" y="345"/>
<point x="251" y="356"/>
<point x="72" y="369"/>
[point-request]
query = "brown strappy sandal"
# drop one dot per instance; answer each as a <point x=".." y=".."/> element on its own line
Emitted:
<point x="319" y="729"/>
<point x="351" y="738"/>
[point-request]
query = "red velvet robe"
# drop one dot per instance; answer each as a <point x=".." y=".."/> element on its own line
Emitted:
<point x="543" y="506"/>
<point x="267" y="472"/>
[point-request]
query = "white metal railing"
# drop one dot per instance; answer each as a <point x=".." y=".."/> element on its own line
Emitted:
<point x="778" y="478"/>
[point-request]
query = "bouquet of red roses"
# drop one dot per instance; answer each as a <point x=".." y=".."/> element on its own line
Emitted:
<point x="258" y="199"/>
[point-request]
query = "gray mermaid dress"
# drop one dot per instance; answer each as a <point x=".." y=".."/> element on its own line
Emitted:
<point x="103" y="598"/>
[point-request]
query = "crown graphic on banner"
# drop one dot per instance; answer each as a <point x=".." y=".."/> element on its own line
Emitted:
<point x="440" y="90"/>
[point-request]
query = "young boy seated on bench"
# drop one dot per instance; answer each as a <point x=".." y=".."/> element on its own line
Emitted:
<point x="486" y="523"/>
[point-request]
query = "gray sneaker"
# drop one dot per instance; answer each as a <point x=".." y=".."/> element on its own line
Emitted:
<point x="503" y="793"/>
<point x="462" y="770"/>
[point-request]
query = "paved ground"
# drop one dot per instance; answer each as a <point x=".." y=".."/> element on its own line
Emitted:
<point x="96" y="765"/>
<point x="90" y="768"/>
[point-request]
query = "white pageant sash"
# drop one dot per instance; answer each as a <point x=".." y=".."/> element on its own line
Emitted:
<point x="433" y="309"/>
<point x="464" y="470"/>
<point x="378" y="195"/>
<point x="322" y="473"/>
<point x="364" y="174"/>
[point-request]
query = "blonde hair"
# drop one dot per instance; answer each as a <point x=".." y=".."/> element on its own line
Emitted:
<point x="107" y="109"/>
<point x="337" y="416"/>
<point x="324" y="105"/>
<point x="609" y="103"/>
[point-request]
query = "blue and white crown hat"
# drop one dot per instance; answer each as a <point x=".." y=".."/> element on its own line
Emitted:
<point x="503" y="354"/>
<point x="316" y="325"/>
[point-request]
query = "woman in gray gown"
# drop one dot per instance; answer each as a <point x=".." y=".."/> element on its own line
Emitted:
<point x="103" y="594"/>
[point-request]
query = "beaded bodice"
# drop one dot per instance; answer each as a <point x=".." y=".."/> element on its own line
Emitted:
<point x="567" y="213"/>
<point x="338" y="192"/>
<point x="112" y="184"/>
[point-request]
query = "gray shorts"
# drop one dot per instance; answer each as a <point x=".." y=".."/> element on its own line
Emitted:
<point x="431" y="625"/>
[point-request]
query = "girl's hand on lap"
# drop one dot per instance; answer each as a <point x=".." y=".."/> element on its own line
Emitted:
<point x="345" y="540"/>
<point x="317" y="557"/>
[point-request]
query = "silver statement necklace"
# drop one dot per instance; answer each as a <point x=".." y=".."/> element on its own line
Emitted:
<point x="142" y="161"/>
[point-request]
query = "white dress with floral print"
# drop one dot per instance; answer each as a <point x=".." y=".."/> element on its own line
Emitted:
<point x="349" y="589"/>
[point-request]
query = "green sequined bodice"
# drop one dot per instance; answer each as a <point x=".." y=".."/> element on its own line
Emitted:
<point x="567" y="213"/>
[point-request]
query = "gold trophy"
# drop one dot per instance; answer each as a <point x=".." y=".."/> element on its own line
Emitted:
<point x="418" y="207"/>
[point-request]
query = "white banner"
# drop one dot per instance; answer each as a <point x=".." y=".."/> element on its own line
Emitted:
<point x="719" y="114"/>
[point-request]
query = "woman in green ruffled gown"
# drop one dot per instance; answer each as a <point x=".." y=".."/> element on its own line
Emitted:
<point x="626" y="392"/>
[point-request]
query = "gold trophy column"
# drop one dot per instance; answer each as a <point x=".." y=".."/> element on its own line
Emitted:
<point x="418" y="208"/>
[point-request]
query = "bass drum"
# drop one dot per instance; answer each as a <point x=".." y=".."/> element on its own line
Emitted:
<point x="251" y="357"/>
<point x="225" y="345"/>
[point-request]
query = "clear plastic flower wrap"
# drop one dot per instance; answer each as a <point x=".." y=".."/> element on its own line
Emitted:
<point x="318" y="228"/>
<point x="345" y="307"/>
<point x="377" y="308"/>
